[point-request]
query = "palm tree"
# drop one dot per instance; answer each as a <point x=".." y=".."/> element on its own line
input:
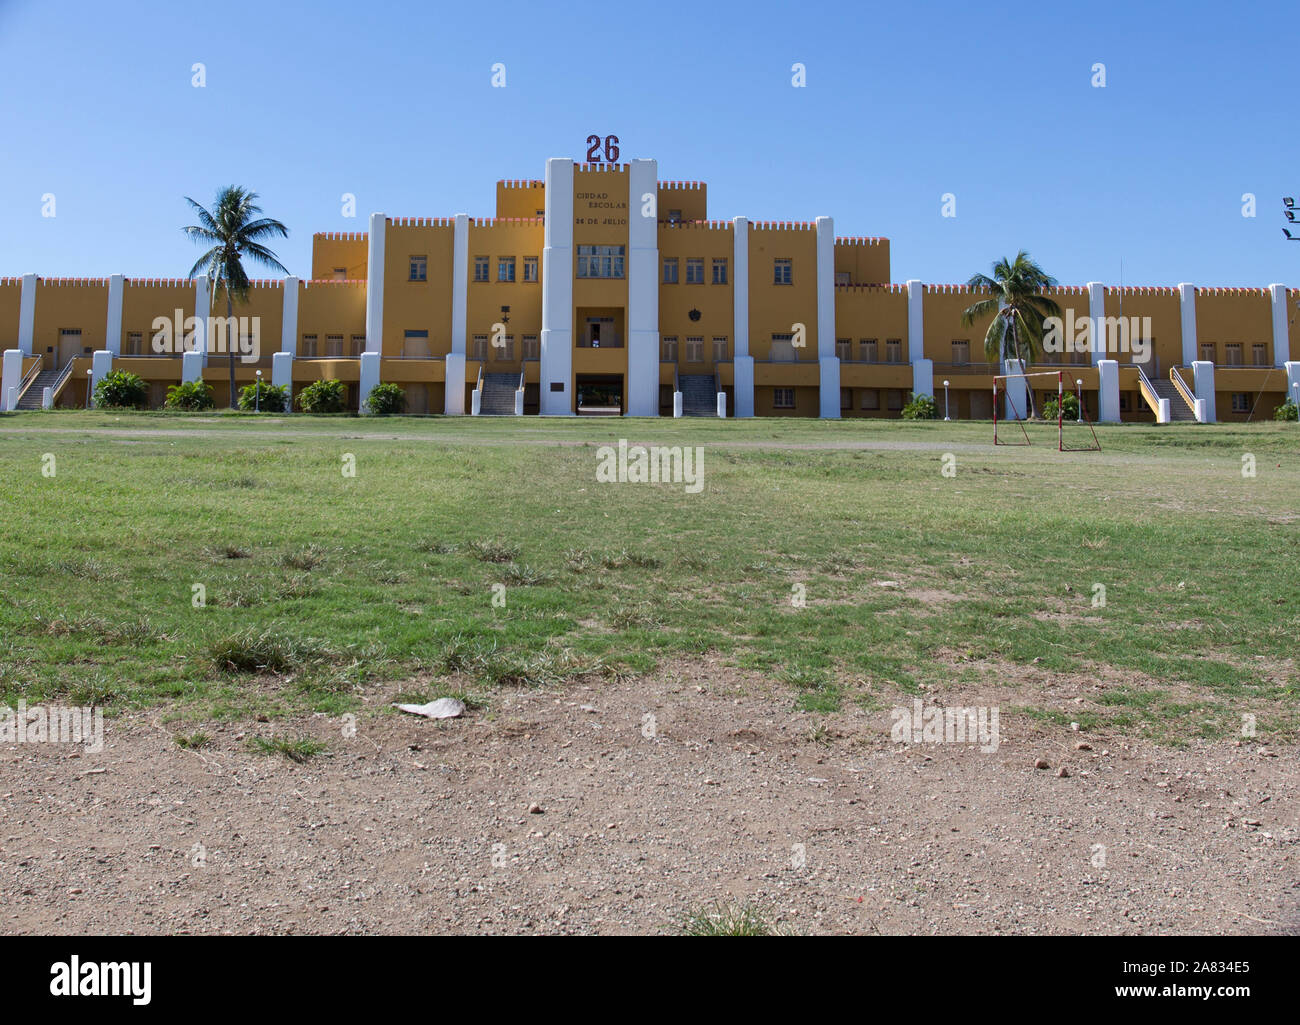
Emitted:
<point x="1018" y="307"/>
<point x="235" y="229"/>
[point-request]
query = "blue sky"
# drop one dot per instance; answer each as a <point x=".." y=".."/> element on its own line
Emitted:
<point x="903" y="103"/>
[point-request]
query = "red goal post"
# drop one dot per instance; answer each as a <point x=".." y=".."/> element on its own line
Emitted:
<point x="1000" y="391"/>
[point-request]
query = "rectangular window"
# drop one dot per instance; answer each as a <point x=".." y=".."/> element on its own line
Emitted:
<point x="871" y="398"/>
<point x="415" y="345"/>
<point x="695" y="271"/>
<point x="670" y="270"/>
<point x="1259" y="354"/>
<point x="783" y="398"/>
<point x="506" y="268"/>
<point x="843" y="348"/>
<point x="782" y="350"/>
<point x="357" y="346"/>
<point x="600" y="261"/>
<point x="869" y="350"/>
<point x="720" y="271"/>
<point x="961" y="351"/>
<point x="694" y="350"/>
<point x="334" y="346"/>
<point x="719" y="349"/>
<point x="894" y="350"/>
<point x="479" y="350"/>
<point x="782" y="272"/>
<point x="1232" y="354"/>
<point x="419" y="268"/>
<point x="668" y="349"/>
<point x="134" y="343"/>
<point x="846" y="398"/>
<point x="674" y="217"/>
<point x="530" y="268"/>
<point x="1240" y="402"/>
<point x="895" y="400"/>
<point x="340" y="274"/>
<point x="532" y="348"/>
<point x="480" y="268"/>
<point x="1207" y="351"/>
<point x="842" y="277"/>
<point x="505" y="352"/>
<point x="308" y="346"/>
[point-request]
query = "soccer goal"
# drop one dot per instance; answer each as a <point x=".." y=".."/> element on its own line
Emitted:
<point x="1069" y="430"/>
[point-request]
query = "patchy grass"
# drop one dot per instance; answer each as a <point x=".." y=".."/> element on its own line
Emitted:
<point x="849" y="576"/>
<point x="295" y="749"/>
<point x="730" y="919"/>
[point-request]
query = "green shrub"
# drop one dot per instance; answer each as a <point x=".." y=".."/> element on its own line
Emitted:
<point x="919" y="407"/>
<point x="1287" y="411"/>
<point x="322" y="397"/>
<point x="1071" y="404"/>
<point x="274" y="398"/>
<point x="191" y="396"/>
<point x="385" y="399"/>
<point x="119" y="389"/>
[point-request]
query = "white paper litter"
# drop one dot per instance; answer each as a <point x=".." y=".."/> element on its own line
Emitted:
<point x="443" y="708"/>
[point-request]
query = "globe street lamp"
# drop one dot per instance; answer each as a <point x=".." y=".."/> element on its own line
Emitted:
<point x="945" y="401"/>
<point x="257" y="394"/>
<point x="90" y="382"/>
<point x="1078" y="388"/>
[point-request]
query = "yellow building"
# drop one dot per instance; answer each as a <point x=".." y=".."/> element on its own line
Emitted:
<point x="602" y="289"/>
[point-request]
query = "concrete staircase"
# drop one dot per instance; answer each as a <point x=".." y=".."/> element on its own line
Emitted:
<point x="498" y="395"/>
<point x="31" y="398"/>
<point x="1179" y="410"/>
<point x="699" y="394"/>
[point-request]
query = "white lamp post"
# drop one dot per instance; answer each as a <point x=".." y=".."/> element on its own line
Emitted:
<point x="1078" y="389"/>
<point x="90" y="383"/>
<point x="945" y="402"/>
<point x="1296" y="388"/>
<point x="257" y="394"/>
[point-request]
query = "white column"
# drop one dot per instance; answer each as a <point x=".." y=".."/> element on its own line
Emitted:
<point x="460" y="283"/>
<point x="101" y="364"/>
<point x="1096" y="320"/>
<point x="923" y="377"/>
<point x="1281" y="333"/>
<point x="375" y="284"/>
<point x="191" y="367"/>
<point x="113" y="329"/>
<point x="289" y="327"/>
<point x="1108" y="391"/>
<point x="27" y="315"/>
<point x="369" y="378"/>
<point x="1293" y="381"/>
<point x="10" y="378"/>
<point x="453" y="402"/>
<point x="557" y="290"/>
<point x="1187" y="306"/>
<point x="1203" y="382"/>
<point x="742" y="361"/>
<point x="282" y="371"/>
<point x="722" y="405"/>
<point x="202" y="308"/>
<point x="643" y="289"/>
<point x="829" y="378"/>
<point x="915" y="320"/>
<point x="1015" y="391"/>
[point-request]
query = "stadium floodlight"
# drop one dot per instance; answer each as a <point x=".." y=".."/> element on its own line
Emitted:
<point x="1288" y="202"/>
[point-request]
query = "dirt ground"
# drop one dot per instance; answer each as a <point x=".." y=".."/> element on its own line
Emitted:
<point x="570" y="811"/>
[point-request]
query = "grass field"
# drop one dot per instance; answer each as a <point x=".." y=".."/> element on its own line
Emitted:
<point x="315" y="583"/>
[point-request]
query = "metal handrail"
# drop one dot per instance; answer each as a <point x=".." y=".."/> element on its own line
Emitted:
<point x="30" y="376"/>
<point x="1188" y="395"/>
<point x="64" y="376"/>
